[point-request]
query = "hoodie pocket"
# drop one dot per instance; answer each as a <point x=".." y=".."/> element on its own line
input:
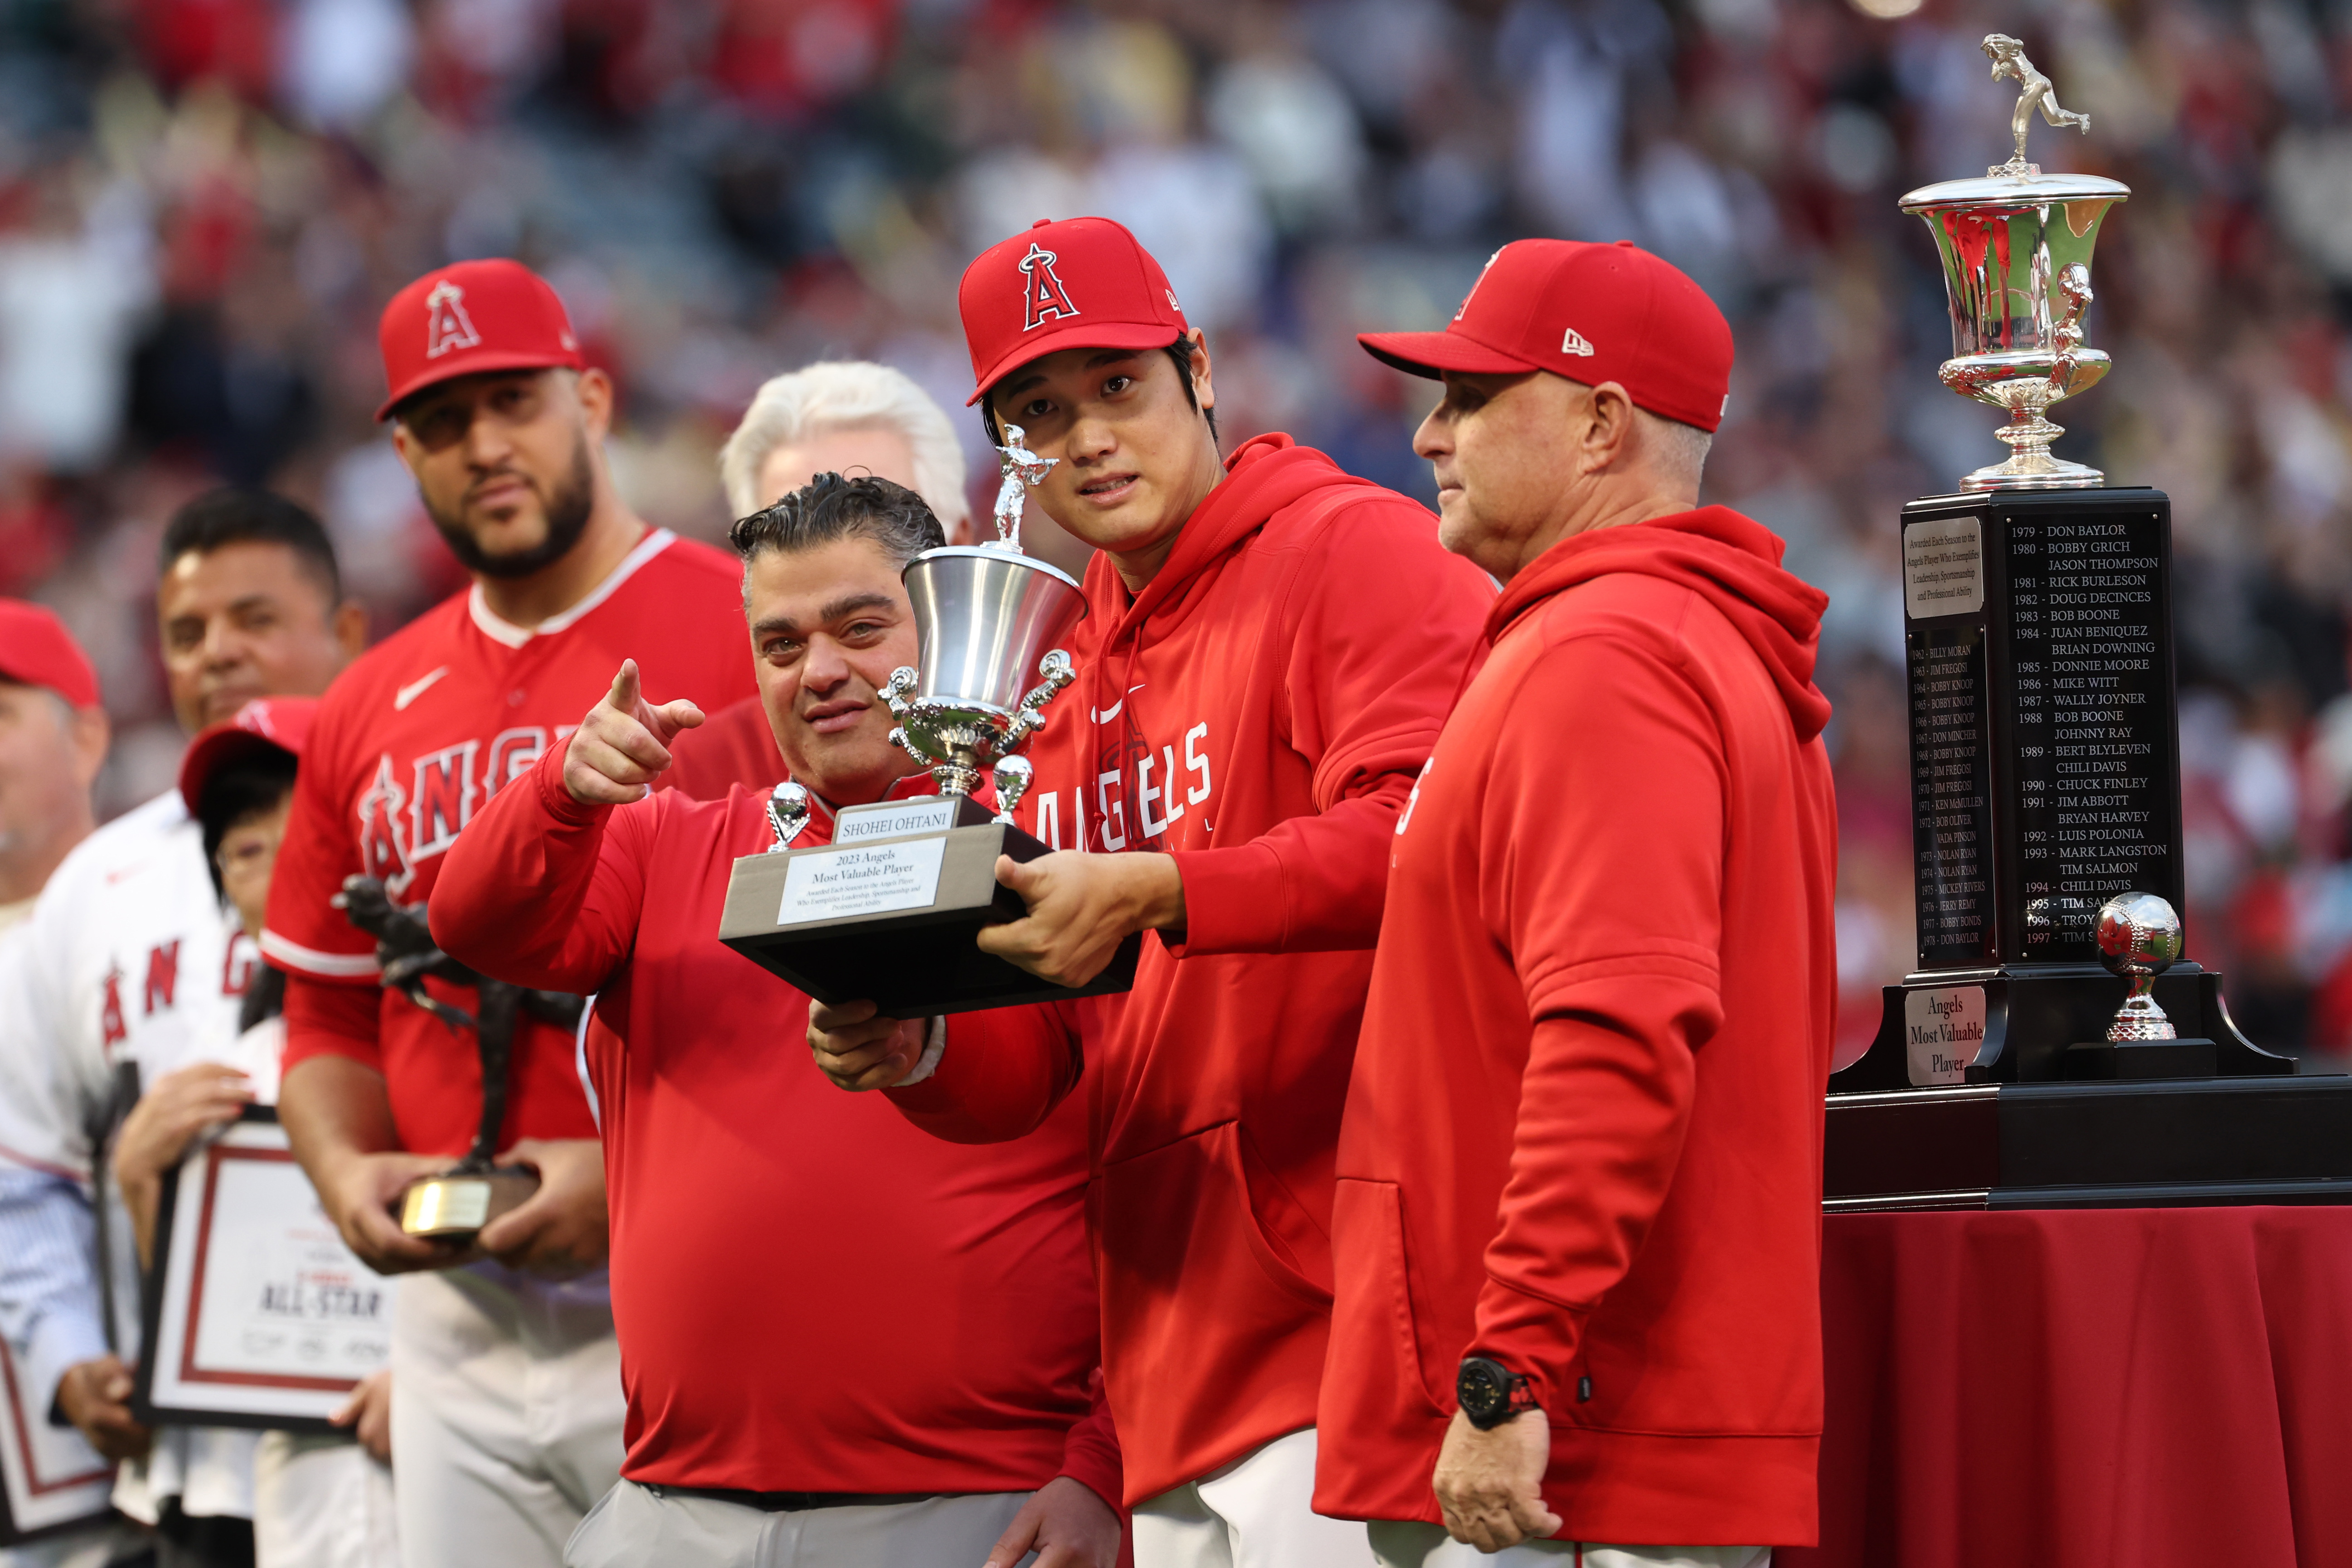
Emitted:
<point x="1374" y="1329"/>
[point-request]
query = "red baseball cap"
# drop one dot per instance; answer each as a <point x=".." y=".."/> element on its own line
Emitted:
<point x="264" y="724"/>
<point x="1591" y="314"/>
<point x="1081" y="283"/>
<point x="35" y="649"/>
<point x="468" y="318"/>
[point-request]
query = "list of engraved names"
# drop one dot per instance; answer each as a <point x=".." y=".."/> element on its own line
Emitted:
<point x="2092" y="747"/>
<point x="1951" y="795"/>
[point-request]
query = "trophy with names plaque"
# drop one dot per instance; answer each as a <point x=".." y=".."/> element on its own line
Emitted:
<point x="2053" y="1048"/>
<point x="2044" y="730"/>
<point x="888" y="912"/>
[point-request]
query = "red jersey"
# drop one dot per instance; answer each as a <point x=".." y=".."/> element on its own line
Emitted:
<point x="1259" y="711"/>
<point x="409" y="745"/>
<point x="1584" y="1133"/>
<point x="760" y="1215"/>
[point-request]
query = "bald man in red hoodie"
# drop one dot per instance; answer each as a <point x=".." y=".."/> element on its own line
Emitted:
<point x="1269" y="650"/>
<point x="1578" y="1223"/>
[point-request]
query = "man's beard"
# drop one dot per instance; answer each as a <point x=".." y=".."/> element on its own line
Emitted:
<point x="567" y="510"/>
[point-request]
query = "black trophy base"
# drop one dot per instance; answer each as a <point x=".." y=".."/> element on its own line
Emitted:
<point x="919" y="962"/>
<point x="2047" y="1024"/>
<point x="2181" y="1142"/>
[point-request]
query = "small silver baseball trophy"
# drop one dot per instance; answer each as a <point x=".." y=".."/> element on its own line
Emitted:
<point x="2140" y="938"/>
<point x="2016" y="249"/>
<point x="889" y="910"/>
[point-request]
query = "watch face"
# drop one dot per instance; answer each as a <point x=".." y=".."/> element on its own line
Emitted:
<point x="1479" y="1389"/>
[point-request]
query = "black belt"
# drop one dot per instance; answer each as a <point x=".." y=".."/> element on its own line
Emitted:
<point x="793" y="1503"/>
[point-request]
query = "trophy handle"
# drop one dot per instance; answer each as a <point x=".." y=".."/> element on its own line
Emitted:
<point x="1013" y="778"/>
<point x="899" y="691"/>
<point x="788" y="812"/>
<point x="1030" y="718"/>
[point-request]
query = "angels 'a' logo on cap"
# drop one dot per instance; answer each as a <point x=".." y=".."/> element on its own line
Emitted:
<point x="1460" y="309"/>
<point x="446" y="325"/>
<point x="1044" y="297"/>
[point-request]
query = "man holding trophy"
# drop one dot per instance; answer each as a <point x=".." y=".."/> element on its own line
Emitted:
<point x="1268" y="650"/>
<point x="902" y="1381"/>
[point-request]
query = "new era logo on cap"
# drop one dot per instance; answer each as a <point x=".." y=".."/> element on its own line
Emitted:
<point x="468" y="319"/>
<point x="1654" y="332"/>
<point x="1083" y="282"/>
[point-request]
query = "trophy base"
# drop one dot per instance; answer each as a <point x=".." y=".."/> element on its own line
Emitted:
<point x="2094" y="1061"/>
<point x="2045" y="1024"/>
<point x="893" y="921"/>
<point x="455" y="1206"/>
<point x="2034" y="472"/>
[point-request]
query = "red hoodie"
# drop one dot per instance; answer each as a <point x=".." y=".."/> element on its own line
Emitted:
<point x="1259" y="710"/>
<point x="810" y="1295"/>
<point x="1584" y="1133"/>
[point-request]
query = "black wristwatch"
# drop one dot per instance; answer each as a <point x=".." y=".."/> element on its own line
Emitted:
<point x="1491" y="1392"/>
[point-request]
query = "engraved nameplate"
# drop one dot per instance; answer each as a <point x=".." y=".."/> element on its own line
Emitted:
<point x="1945" y="1029"/>
<point x="894" y="819"/>
<point x="1943" y="568"/>
<point x="829" y="884"/>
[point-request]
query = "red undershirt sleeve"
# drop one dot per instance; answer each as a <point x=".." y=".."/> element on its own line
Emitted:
<point x="1090" y="1455"/>
<point x="1382" y="625"/>
<point x="541" y="890"/>
<point x="1001" y="1075"/>
<point x="1604" y="823"/>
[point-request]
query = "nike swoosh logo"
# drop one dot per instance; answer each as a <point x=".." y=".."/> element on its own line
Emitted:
<point x="416" y="689"/>
<point x="1105" y="715"/>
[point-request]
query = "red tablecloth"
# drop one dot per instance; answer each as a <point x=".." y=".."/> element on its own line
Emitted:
<point x="2091" y="1388"/>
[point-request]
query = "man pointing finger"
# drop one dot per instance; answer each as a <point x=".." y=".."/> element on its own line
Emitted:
<point x="624" y="742"/>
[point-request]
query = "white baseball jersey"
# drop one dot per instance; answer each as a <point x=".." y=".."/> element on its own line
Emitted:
<point x="129" y="958"/>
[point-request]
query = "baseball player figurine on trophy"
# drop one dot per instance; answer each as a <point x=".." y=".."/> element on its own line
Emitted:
<point x="889" y="910"/>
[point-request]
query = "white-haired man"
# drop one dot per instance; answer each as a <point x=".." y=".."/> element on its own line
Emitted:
<point x="836" y="416"/>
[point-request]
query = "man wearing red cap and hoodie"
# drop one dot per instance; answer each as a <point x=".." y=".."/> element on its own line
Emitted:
<point x="1268" y="652"/>
<point x="1578" y="1224"/>
<point x="508" y="1426"/>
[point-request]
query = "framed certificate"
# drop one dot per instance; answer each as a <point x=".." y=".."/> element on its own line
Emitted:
<point x="257" y="1314"/>
<point x="50" y="1479"/>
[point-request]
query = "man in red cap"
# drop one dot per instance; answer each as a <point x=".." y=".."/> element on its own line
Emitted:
<point x="1269" y="649"/>
<point x="53" y="736"/>
<point x="1578" y="1246"/>
<point x="129" y="975"/>
<point x="508" y="1426"/>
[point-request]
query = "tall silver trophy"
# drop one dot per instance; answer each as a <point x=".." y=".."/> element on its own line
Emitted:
<point x="889" y="911"/>
<point x="2016" y="247"/>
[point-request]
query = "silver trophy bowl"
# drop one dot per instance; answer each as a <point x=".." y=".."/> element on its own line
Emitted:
<point x="2139" y="939"/>
<point x="2016" y="249"/>
<point x="989" y="622"/>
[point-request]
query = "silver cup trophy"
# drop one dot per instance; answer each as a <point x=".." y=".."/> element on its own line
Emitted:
<point x="888" y="912"/>
<point x="2016" y="249"/>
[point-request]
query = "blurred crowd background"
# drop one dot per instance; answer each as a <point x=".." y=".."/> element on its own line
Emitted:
<point x="204" y="203"/>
